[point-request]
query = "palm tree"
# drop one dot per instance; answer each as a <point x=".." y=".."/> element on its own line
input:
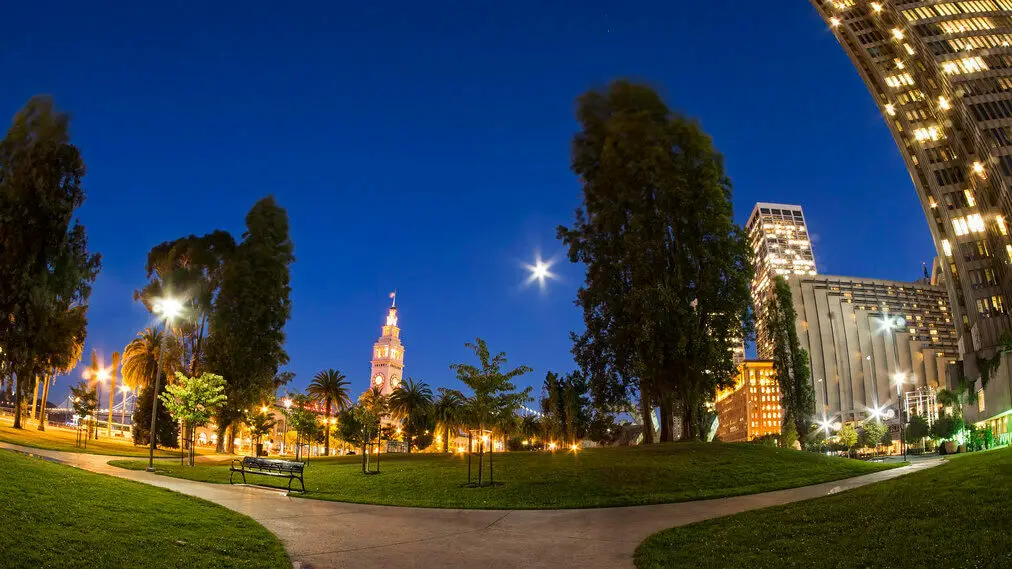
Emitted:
<point x="374" y="406"/>
<point x="446" y="412"/>
<point x="330" y="387"/>
<point x="410" y="403"/>
<point x="140" y="358"/>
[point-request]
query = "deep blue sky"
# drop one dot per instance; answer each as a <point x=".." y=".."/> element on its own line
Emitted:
<point x="425" y="147"/>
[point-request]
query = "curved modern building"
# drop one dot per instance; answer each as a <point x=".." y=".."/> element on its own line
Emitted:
<point x="941" y="74"/>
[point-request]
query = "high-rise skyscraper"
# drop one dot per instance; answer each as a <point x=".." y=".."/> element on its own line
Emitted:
<point x="941" y="74"/>
<point x="780" y="245"/>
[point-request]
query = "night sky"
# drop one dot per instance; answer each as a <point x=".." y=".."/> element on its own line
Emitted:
<point x="427" y="150"/>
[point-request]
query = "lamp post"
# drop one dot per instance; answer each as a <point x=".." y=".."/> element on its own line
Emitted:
<point x="890" y="325"/>
<point x="898" y="379"/>
<point x="284" y="426"/>
<point x="168" y="308"/>
<point x="122" y="415"/>
<point x="100" y="378"/>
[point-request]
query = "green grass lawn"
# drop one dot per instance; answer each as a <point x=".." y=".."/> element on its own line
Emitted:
<point x="54" y="438"/>
<point x="595" y="477"/>
<point x="955" y="515"/>
<point x="59" y="516"/>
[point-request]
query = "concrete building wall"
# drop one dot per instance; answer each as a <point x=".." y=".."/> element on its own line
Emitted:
<point x="842" y="324"/>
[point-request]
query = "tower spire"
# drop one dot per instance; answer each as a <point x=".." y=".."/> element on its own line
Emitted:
<point x="393" y="299"/>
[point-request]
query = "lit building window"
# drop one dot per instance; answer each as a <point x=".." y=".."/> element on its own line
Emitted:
<point x="975" y="223"/>
<point x="959" y="226"/>
<point x="896" y="81"/>
<point x="927" y="133"/>
<point x="969" y="198"/>
<point x="1001" y="224"/>
<point x="946" y="247"/>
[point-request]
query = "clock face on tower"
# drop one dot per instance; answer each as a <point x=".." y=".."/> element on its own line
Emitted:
<point x="378" y="380"/>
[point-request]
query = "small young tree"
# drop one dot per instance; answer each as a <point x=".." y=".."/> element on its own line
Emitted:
<point x="494" y="395"/>
<point x="873" y="431"/>
<point x="260" y="425"/>
<point x="847" y="436"/>
<point x="85" y="401"/>
<point x="372" y="406"/>
<point x="193" y="401"/>
<point x="303" y="421"/>
<point x="917" y="428"/>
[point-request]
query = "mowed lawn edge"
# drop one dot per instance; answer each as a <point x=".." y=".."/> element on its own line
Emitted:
<point x="604" y="477"/>
<point x="61" y="440"/>
<point x="953" y="515"/>
<point x="61" y="516"/>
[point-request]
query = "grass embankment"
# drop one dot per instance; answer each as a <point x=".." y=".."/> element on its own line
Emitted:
<point x="55" y="438"/>
<point x="627" y="476"/>
<point x="954" y="515"/>
<point x="58" y="516"/>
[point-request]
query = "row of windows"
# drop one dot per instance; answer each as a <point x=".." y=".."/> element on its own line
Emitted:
<point x="982" y="278"/>
<point x="991" y="306"/>
<point x="947" y="176"/>
<point x="959" y="200"/>
<point x="940" y="154"/>
<point x="965" y="65"/>
<point x="991" y="110"/>
<point x="955" y="45"/>
<point x="953" y="8"/>
<point x="995" y="85"/>
<point x="959" y="26"/>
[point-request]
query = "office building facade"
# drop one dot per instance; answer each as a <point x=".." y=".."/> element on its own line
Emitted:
<point x="940" y="72"/>
<point x="859" y="333"/>
<point x="751" y="408"/>
<point x="778" y="236"/>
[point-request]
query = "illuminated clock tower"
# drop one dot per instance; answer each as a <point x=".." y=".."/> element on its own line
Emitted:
<point x="388" y="354"/>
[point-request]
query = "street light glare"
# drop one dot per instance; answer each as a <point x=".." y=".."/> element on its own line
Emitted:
<point x="168" y="307"/>
<point x="540" y="271"/>
<point x="102" y="375"/>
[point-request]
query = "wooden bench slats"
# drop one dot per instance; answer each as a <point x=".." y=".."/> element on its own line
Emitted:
<point x="269" y="467"/>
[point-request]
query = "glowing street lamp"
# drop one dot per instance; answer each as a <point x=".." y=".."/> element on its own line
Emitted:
<point x="540" y="271"/>
<point x="167" y="308"/>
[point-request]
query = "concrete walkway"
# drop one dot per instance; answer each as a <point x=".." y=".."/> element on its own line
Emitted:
<point x="319" y="534"/>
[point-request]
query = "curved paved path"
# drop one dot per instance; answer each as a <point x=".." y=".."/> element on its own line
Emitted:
<point x="320" y="534"/>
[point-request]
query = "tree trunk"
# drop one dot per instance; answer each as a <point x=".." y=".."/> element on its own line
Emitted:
<point x="665" y="411"/>
<point x="686" y="421"/>
<point x="219" y="447"/>
<point x="446" y="440"/>
<point x="326" y="425"/>
<point x="408" y="433"/>
<point x="43" y="410"/>
<point x="35" y="399"/>
<point x="20" y="385"/>
<point x="648" y="427"/>
<point x="231" y="438"/>
<point x="365" y="447"/>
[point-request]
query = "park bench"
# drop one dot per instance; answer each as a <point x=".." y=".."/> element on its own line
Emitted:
<point x="268" y="467"/>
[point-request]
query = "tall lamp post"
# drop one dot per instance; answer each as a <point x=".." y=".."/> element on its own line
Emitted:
<point x="168" y="308"/>
<point x="100" y="377"/>
<point x="284" y="427"/>
<point x="889" y="326"/>
<point x="898" y="378"/>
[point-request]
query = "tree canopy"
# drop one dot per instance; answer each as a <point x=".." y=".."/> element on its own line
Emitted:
<point x="790" y="361"/>
<point x="666" y="291"/>
<point x="46" y="270"/>
<point x="246" y="343"/>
